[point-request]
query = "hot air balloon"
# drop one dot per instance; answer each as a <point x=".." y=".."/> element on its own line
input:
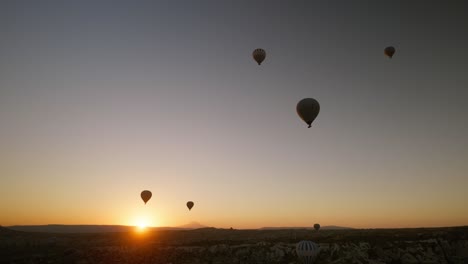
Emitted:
<point x="308" y="109"/>
<point x="259" y="55"/>
<point x="190" y="205"/>
<point x="145" y="196"/>
<point x="307" y="251"/>
<point x="389" y="51"/>
<point x="316" y="227"/>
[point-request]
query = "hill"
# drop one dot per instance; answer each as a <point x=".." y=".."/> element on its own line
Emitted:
<point x="92" y="228"/>
<point x="72" y="228"/>
<point x="211" y="245"/>
<point x="331" y="227"/>
<point x="6" y="231"/>
<point x="192" y="225"/>
<point x="55" y="228"/>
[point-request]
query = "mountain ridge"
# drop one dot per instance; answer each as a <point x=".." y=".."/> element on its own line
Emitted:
<point x="60" y="228"/>
<point x="330" y="227"/>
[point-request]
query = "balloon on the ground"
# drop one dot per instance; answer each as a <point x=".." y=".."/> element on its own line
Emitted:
<point x="316" y="227"/>
<point x="308" y="109"/>
<point x="190" y="205"/>
<point x="389" y="51"/>
<point x="145" y="196"/>
<point x="259" y="55"/>
<point x="307" y="251"/>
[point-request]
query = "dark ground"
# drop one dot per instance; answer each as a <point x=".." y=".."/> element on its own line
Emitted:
<point x="209" y="245"/>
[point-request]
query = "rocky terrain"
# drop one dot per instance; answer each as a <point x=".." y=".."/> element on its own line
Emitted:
<point x="376" y="246"/>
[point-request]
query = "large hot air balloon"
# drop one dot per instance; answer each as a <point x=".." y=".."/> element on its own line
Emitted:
<point x="145" y="196"/>
<point x="190" y="205"/>
<point x="259" y="55"/>
<point x="307" y="251"/>
<point x="308" y="109"/>
<point x="316" y="227"/>
<point x="389" y="51"/>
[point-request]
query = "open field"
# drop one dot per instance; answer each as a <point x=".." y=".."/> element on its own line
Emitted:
<point x="210" y="245"/>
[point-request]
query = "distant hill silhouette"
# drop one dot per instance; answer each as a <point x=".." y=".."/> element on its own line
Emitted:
<point x="5" y="231"/>
<point x="331" y="227"/>
<point x="122" y="228"/>
<point x="193" y="225"/>
<point x="72" y="228"/>
<point x="92" y="228"/>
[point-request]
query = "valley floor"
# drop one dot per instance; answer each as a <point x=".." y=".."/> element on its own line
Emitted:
<point x="209" y="245"/>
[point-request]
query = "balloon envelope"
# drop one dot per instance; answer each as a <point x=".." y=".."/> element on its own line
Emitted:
<point x="259" y="55"/>
<point x="307" y="251"/>
<point x="317" y="227"/>
<point x="308" y="109"/>
<point x="190" y="205"/>
<point x="389" y="51"/>
<point x="145" y="196"/>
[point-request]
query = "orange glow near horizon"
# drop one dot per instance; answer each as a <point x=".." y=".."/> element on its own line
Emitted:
<point x="141" y="228"/>
<point x="143" y="219"/>
<point x="141" y="225"/>
<point x="248" y="215"/>
<point x="212" y="213"/>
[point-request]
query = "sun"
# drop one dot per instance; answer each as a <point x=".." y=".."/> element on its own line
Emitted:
<point x="143" y="221"/>
<point x="142" y="224"/>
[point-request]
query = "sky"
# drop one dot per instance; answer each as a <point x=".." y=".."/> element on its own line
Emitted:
<point x="100" y="100"/>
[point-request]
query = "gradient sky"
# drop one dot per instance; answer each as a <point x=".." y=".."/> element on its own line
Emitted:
<point x="100" y="100"/>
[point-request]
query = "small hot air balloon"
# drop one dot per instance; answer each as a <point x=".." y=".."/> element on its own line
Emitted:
<point x="190" y="205"/>
<point x="145" y="196"/>
<point x="389" y="51"/>
<point x="307" y="251"/>
<point x="316" y="227"/>
<point x="308" y="109"/>
<point x="259" y="55"/>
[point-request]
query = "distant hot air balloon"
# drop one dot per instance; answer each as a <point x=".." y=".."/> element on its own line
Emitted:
<point x="259" y="55"/>
<point x="308" y="109"/>
<point x="145" y="196"/>
<point x="190" y="205"/>
<point x="389" y="51"/>
<point x="316" y="227"/>
<point x="307" y="251"/>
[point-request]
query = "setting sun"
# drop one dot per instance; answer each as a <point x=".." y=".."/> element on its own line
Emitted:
<point x="143" y="222"/>
<point x="141" y="226"/>
<point x="142" y="218"/>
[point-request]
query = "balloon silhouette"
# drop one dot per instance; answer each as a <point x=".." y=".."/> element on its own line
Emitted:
<point x="389" y="51"/>
<point x="145" y="196"/>
<point x="190" y="205"/>
<point x="316" y="227"/>
<point x="259" y="55"/>
<point x="308" y="109"/>
<point x="307" y="251"/>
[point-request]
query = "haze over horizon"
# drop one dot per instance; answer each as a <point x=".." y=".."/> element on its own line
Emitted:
<point x="100" y="100"/>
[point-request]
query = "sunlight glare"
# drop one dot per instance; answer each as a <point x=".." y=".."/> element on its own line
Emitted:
<point x="141" y="225"/>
